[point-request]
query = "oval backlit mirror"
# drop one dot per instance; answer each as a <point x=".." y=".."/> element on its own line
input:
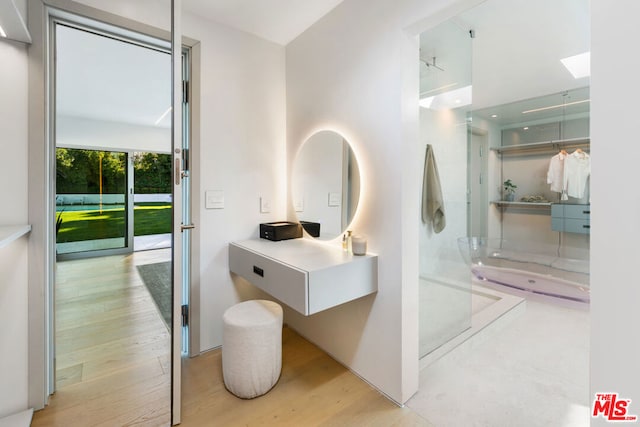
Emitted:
<point x="325" y="185"/>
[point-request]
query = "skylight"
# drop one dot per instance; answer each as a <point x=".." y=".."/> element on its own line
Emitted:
<point x="578" y="65"/>
<point x="448" y="100"/>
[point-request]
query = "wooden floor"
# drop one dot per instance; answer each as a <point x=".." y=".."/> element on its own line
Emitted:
<point x="112" y="347"/>
<point x="313" y="390"/>
<point x="113" y="366"/>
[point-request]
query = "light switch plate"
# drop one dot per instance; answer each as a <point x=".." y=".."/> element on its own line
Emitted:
<point x="298" y="205"/>
<point x="265" y="205"/>
<point x="214" y="199"/>
<point x="335" y="199"/>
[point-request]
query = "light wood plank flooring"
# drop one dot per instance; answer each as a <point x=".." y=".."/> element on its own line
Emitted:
<point x="112" y="347"/>
<point x="113" y="366"/>
<point x="313" y="390"/>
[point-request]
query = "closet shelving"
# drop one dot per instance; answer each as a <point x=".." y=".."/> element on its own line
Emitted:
<point x="504" y="203"/>
<point x="536" y="148"/>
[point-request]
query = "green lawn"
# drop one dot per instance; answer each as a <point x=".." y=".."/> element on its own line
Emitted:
<point x="148" y="218"/>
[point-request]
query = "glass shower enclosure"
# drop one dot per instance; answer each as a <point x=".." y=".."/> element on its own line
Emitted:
<point x="445" y="107"/>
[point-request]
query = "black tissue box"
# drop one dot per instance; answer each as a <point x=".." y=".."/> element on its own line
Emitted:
<point x="282" y="230"/>
<point x="313" y="228"/>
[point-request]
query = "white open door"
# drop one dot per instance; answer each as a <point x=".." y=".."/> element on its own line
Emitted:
<point x="176" y="336"/>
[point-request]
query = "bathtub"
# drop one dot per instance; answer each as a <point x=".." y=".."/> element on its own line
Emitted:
<point x="538" y="270"/>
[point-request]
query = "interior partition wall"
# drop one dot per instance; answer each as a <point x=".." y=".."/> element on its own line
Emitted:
<point x="445" y="98"/>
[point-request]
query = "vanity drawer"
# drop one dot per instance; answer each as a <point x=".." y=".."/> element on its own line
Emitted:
<point x="284" y="282"/>
<point x="581" y="226"/>
<point x="577" y="211"/>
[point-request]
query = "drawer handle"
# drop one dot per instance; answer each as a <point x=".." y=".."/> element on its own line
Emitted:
<point x="258" y="271"/>
<point x="586" y="212"/>
<point x="586" y="226"/>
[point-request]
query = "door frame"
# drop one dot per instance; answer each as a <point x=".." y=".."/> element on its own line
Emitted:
<point x="41" y="165"/>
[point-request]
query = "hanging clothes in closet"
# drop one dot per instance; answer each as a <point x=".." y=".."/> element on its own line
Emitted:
<point x="568" y="173"/>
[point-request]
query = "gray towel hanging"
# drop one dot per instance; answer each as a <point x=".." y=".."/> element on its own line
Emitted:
<point x="432" y="203"/>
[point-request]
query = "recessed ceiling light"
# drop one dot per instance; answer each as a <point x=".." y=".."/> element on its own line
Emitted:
<point x="578" y="65"/>
<point x="494" y="116"/>
<point x="2" y="33"/>
<point x="526" y="128"/>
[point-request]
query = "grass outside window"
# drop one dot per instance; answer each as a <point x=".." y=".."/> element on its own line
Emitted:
<point x="79" y="225"/>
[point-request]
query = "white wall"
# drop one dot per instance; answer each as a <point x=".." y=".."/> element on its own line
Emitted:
<point x="355" y="71"/>
<point x="242" y="153"/>
<point x="13" y="258"/>
<point x="85" y="133"/>
<point x="615" y="349"/>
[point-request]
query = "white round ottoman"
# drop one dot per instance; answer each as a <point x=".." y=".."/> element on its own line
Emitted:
<point x="252" y="347"/>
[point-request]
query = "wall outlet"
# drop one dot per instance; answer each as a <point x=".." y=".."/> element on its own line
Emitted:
<point x="214" y="199"/>
<point x="265" y="205"/>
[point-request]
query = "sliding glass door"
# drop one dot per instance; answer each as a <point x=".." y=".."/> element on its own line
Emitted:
<point x="92" y="203"/>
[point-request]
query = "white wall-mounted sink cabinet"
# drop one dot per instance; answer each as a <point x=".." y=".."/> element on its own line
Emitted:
<point x="306" y="275"/>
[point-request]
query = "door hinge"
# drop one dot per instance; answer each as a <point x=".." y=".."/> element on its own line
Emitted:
<point x="185" y="92"/>
<point x="185" y="315"/>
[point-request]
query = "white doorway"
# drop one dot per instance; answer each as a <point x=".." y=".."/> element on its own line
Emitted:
<point x="180" y="266"/>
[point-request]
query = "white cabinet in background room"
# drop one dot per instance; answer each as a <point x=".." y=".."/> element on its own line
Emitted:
<point x="306" y="275"/>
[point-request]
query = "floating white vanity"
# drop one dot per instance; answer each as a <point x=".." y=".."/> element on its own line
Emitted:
<point x="307" y="275"/>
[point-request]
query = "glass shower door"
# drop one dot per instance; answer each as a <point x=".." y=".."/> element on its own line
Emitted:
<point x="445" y="101"/>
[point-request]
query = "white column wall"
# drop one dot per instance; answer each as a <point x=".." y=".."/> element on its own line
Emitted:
<point x="14" y="346"/>
<point x="615" y="294"/>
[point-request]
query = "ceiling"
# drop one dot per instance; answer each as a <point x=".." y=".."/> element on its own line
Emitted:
<point x="279" y="21"/>
<point x="93" y="83"/>
<point x="516" y="51"/>
<point x="515" y="54"/>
